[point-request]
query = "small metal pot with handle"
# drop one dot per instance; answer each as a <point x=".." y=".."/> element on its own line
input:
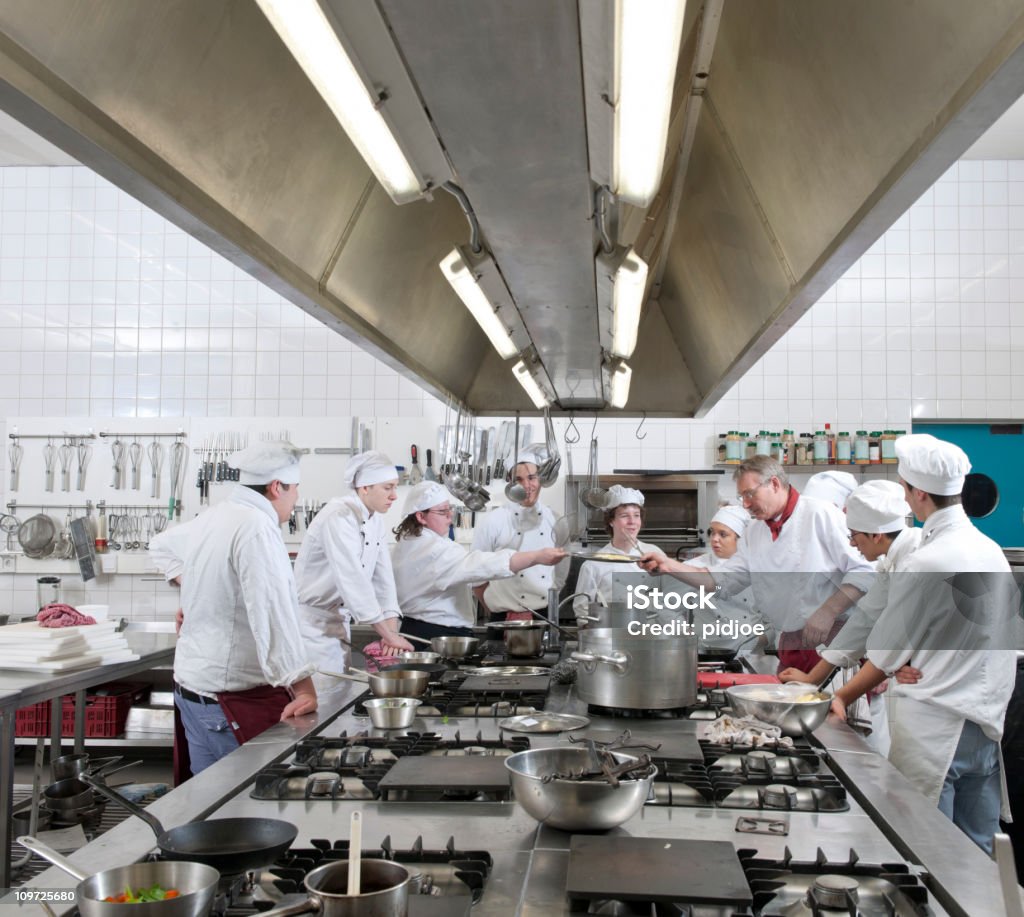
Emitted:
<point x="384" y="891"/>
<point x="523" y="639"/>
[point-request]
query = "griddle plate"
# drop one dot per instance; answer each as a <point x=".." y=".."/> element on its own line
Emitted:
<point x="483" y="773"/>
<point x="505" y="684"/>
<point x="655" y="869"/>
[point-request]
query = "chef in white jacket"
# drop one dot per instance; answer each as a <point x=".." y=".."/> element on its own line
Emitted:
<point x="528" y="526"/>
<point x="795" y="556"/>
<point x="724" y="533"/>
<point x="955" y="626"/>
<point x="833" y="487"/>
<point x="240" y="664"/>
<point x="623" y="520"/>
<point x="433" y="574"/>
<point x="877" y="514"/>
<point x="343" y="569"/>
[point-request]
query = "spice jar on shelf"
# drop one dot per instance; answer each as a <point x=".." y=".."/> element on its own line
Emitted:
<point x="875" y="448"/>
<point x="733" y="448"/>
<point x="844" y="449"/>
<point x="861" y="448"/>
<point x="820" y="448"/>
<point x="789" y="447"/>
<point x="763" y="443"/>
<point x="889" y="447"/>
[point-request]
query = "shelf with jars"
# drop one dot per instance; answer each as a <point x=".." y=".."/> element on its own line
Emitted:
<point x="861" y="450"/>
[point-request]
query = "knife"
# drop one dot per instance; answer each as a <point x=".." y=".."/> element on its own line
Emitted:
<point x="415" y="474"/>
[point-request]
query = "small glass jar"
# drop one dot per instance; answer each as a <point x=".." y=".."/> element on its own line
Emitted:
<point x="721" y="450"/>
<point x="861" y="448"/>
<point x="751" y="445"/>
<point x="844" y="449"/>
<point x="820" y="448"/>
<point x="889" y="447"/>
<point x="788" y="445"/>
<point x="733" y="448"/>
<point x="778" y="453"/>
<point x="875" y="448"/>
<point x="763" y="443"/>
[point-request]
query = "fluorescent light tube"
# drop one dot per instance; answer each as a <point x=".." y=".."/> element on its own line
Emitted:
<point x="526" y="380"/>
<point x="464" y="281"/>
<point x="620" y="375"/>
<point x="306" y="32"/>
<point x="647" y="36"/>
<point x="628" y="287"/>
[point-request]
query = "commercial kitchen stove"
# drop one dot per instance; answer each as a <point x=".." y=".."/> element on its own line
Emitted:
<point x="885" y="831"/>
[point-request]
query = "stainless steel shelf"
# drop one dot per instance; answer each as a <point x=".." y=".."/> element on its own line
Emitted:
<point x="133" y="739"/>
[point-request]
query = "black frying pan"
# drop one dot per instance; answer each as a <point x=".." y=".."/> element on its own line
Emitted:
<point x="230" y="845"/>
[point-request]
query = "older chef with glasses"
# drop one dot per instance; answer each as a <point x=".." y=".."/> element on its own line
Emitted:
<point x="433" y="574"/>
<point x="343" y="570"/>
<point x="795" y="556"/>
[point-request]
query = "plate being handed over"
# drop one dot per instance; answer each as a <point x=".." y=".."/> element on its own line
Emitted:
<point x="604" y="557"/>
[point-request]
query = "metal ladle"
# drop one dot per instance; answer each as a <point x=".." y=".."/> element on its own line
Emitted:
<point x="515" y="492"/>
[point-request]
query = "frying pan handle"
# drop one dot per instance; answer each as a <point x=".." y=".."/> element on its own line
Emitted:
<point x="310" y="906"/>
<point x="100" y="787"/>
<point x="48" y="853"/>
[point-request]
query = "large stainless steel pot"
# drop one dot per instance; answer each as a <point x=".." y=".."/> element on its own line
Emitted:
<point x="636" y="673"/>
<point x="614" y="614"/>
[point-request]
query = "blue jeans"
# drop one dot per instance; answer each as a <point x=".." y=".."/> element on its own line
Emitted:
<point x="970" y="795"/>
<point x="209" y="736"/>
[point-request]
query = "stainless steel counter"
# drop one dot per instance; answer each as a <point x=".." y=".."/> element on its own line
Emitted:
<point x="888" y="821"/>
<point x="22" y="688"/>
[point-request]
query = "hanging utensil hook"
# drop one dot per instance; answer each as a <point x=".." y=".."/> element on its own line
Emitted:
<point x="636" y="433"/>
<point x="572" y="433"/>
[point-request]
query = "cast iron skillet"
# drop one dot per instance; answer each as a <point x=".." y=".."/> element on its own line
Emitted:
<point x="230" y="845"/>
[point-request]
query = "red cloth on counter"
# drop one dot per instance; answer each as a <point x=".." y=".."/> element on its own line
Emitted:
<point x="792" y="651"/>
<point x="253" y="711"/>
<point x="59" y="615"/>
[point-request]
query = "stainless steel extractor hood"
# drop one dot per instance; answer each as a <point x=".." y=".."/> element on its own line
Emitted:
<point x="801" y="130"/>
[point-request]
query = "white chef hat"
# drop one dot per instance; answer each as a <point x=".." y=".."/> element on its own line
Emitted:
<point x="267" y="461"/>
<point x="931" y="464"/>
<point x="619" y="496"/>
<point x="735" y="517"/>
<point x="370" y="468"/>
<point x="831" y="486"/>
<point x="534" y="454"/>
<point x="878" y="506"/>
<point x="423" y="496"/>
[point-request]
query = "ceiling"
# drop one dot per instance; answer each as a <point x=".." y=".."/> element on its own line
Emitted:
<point x="800" y="132"/>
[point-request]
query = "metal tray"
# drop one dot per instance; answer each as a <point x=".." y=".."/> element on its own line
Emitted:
<point x="544" y="722"/>
<point x="520" y="671"/>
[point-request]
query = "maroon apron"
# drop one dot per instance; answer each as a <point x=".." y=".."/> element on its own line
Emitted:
<point x="793" y="653"/>
<point x="253" y="711"/>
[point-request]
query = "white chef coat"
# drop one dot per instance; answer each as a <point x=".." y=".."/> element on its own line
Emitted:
<point x="597" y="579"/>
<point x="739" y="608"/>
<point x="343" y="572"/>
<point x="971" y="680"/>
<point x="167" y="549"/>
<point x="241" y="626"/>
<point x="433" y="576"/>
<point x="517" y="528"/>
<point x="850" y="644"/>
<point x="792" y="576"/>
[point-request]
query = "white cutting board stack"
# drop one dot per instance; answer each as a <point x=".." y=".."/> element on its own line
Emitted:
<point x="62" y="649"/>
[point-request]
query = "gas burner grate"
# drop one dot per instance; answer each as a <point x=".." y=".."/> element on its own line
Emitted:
<point x="448" y="698"/>
<point x="795" y="888"/>
<point x="352" y="767"/>
<point x="444" y="871"/>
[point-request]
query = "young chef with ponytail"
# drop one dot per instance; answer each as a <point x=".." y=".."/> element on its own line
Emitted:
<point x="433" y="574"/>
<point x="343" y="569"/>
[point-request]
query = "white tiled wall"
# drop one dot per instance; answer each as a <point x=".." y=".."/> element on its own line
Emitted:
<point x="108" y="310"/>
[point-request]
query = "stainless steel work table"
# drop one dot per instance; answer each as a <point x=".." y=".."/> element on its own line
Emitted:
<point x="888" y="820"/>
<point x="22" y="689"/>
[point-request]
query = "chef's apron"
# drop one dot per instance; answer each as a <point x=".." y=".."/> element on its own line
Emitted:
<point x="322" y="632"/>
<point x="517" y="591"/>
<point x="253" y="711"/>
<point x="924" y="741"/>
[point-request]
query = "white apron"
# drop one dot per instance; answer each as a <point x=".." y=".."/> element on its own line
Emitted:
<point x="527" y="589"/>
<point x="924" y="741"/>
<point x="321" y="630"/>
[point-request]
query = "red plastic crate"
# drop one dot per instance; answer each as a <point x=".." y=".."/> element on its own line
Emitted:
<point x="33" y="721"/>
<point x="105" y="714"/>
